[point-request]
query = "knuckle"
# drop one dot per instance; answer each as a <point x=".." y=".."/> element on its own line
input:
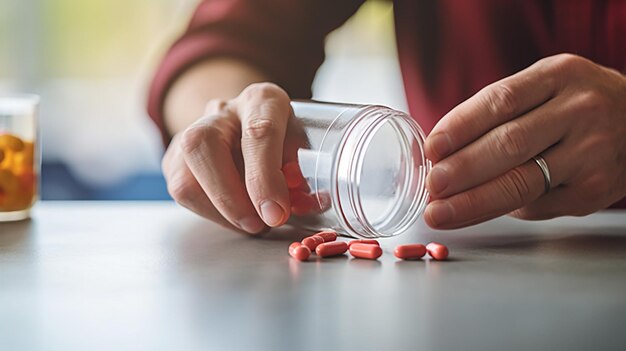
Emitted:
<point x="567" y="60"/>
<point x="511" y="141"/>
<point x="467" y="201"/>
<point x="181" y="189"/>
<point x="515" y="186"/>
<point x="196" y="135"/>
<point x="500" y="100"/>
<point x="566" y="63"/>
<point x="264" y="90"/>
<point x="258" y="127"/>
<point x="592" y="102"/>
<point x="192" y="138"/>
<point x="222" y="201"/>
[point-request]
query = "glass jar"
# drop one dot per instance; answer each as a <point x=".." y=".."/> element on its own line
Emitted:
<point x="356" y="169"/>
<point x="19" y="157"/>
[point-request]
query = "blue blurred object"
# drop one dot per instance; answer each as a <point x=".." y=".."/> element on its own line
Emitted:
<point x="58" y="183"/>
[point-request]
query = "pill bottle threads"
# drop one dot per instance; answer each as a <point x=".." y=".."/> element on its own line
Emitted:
<point x="380" y="173"/>
<point x="366" y="166"/>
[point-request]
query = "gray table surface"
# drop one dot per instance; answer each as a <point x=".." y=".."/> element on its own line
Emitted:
<point x="151" y="276"/>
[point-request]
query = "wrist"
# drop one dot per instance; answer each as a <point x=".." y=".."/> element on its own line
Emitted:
<point x="216" y="78"/>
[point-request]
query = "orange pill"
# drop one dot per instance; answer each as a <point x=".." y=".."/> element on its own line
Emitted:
<point x="324" y="201"/>
<point x="302" y="203"/>
<point x="437" y="251"/>
<point x="332" y="248"/>
<point x="363" y="241"/>
<point x="294" y="245"/>
<point x="410" y="251"/>
<point x="299" y="252"/>
<point x="312" y="241"/>
<point x="327" y="235"/>
<point x="367" y="251"/>
<point x="293" y="175"/>
<point x="8" y="141"/>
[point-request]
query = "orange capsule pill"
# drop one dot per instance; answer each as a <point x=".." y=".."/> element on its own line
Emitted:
<point x="332" y="248"/>
<point x="312" y="242"/>
<point x="367" y="251"/>
<point x="293" y="246"/>
<point x="8" y="141"/>
<point x="410" y="251"/>
<point x="437" y="251"/>
<point x="299" y="252"/>
<point x="302" y="204"/>
<point x="363" y="241"/>
<point x="327" y="235"/>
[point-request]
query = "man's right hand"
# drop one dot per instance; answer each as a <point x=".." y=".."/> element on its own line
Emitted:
<point x="226" y="166"/>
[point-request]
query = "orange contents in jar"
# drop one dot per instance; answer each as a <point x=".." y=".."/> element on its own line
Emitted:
<point x="17" y="175"/>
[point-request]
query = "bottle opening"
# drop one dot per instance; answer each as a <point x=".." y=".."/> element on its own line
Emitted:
<point x="11" y="105"/>
<point x="381" y="173"/>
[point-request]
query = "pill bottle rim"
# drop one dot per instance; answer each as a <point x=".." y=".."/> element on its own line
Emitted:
<point x="18" y="104"/>
<point x="357" y="136"/>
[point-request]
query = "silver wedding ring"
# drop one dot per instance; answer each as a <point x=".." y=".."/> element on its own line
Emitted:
<point x="545" y="170"/>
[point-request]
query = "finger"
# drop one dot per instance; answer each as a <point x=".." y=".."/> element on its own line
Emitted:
<point x="206" y="147"/>
<point x="295" y="139"/>
<point x="181" y="184"/>
<point x="503" y="148"/>
<point x="583" y="187"/>
<point x="185" y="190"/>
<point x="508" y="192"/>
<point x="218" y="107"/>
<point x="558" y="202"/>
<point x="264" y="110"/>
<point x="564" y="200"/>
<point x="492" y="106"/>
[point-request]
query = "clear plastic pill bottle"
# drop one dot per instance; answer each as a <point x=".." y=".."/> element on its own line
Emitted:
<point x="357" y="169"/>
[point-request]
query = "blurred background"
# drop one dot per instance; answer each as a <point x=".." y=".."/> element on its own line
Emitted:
<point x="91" y="62"/>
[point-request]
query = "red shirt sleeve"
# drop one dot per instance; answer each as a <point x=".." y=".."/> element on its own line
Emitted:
<point x="283" y="38"/>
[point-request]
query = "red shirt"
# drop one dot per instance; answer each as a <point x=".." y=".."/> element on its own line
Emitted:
<point x="448" y="49"/>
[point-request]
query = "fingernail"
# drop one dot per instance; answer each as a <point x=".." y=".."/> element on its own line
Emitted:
<point x="437" y="180"/>
<point x="271" y="212"/>
<point x="440" y="144"/>
<point x="441" y="212"/>
<point x="251" y="224"/>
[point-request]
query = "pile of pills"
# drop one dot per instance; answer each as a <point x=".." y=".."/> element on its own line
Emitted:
<point x="17" y="178"/>
<point x="325" y="244"/>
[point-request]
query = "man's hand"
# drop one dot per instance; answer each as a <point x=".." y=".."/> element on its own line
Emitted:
<point x="227" y="165"/>
<point x="565" y="108"/>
